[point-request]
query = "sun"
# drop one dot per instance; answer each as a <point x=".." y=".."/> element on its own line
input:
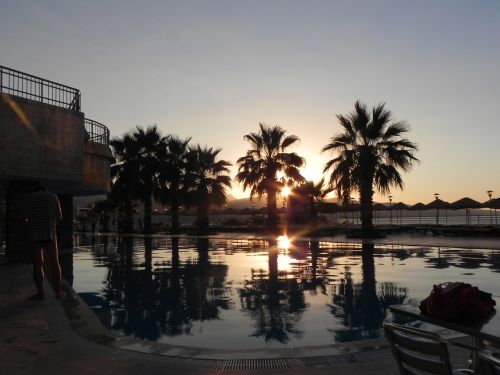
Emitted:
<point x="283" y="242"/>
<point x="286" y="191"/>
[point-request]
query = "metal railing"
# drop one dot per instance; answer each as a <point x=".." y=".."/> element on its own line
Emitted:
<point x="98" y="133"/>
<point x="24" y="85"/>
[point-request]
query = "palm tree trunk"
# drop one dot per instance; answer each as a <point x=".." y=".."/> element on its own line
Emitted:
<point x="366" y="201"/>
<point x="202" y="221"/>
<point x="272" y="210"/>
<point x="147" y="214"/>
<point x="372" y="314"/>
<point x="174" y="207"/>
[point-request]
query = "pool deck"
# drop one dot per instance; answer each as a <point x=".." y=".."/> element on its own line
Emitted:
<point x="56" y="337"/>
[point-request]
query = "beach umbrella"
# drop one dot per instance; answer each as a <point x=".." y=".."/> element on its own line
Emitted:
<point x="379" y="207"/>
<point x="466" y="204"/>
<point x="418" y="207"/>
<point x="351" y="207"/>
<point x="329" y="207"/>
<point x="438" y="204"/>
<point x="493" y="204"/>
<point x="399" y="207"/>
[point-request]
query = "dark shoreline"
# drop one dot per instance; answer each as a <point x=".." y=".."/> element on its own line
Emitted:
<point x="488" y="231"/>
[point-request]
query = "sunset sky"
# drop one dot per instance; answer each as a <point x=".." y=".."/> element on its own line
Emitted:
<point x="213" y="70"/>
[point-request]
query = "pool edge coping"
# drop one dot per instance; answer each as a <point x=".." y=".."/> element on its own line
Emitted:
<point x="86" y="324"/>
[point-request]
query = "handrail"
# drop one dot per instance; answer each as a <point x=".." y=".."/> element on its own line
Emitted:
<point x="98" y="133"/>
<point x="24" y="85"/>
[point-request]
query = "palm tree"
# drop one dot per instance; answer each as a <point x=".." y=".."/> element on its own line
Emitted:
<point x="369" y="152"/>
<point x="258" y="169"/>
<point x="149" y="145"/>
<point x="124" y="181"/>
<point x="309" y="194"/>
<point x="207" y="179"/>
<point x="172" y="177"/>
<point x="137" y="166"/>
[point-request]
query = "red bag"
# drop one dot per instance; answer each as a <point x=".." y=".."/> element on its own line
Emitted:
<point x="457" y="301"/>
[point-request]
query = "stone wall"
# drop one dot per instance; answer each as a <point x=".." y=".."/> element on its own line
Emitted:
<point x="96" y="170"/>
<point x="40" y="141"/>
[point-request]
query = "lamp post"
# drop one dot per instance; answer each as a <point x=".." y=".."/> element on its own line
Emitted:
<point x="390" y="208"/>
<point x="490" y="194"/>
<point x="436" y="196"/>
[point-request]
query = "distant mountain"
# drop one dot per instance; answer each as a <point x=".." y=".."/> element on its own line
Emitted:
<point x="247" y="203"/>
<point x="241" y="203"/>
<point x="237" y="204"/>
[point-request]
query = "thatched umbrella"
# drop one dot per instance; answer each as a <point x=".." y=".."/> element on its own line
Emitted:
<point x="418" y="207"/>
<point x="329" y="208"/>
<point x="465" y="204"/>
<point x="379" y="207"/>
<point x="399" y="207"/>
<point x="492" y="204"/>
<point x="438" y="204"/>
<point x="352" y="207"/>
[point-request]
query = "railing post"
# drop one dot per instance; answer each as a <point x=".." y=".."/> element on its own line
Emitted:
<point x="41" y="91"/>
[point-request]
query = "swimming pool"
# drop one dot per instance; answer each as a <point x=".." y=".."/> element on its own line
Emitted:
<point x="227" y="293"/>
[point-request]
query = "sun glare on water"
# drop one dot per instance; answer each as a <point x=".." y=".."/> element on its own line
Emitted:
<point x="283" y="242"/>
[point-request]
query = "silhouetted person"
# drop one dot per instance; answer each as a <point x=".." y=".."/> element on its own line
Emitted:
<point x="42" y="212"/>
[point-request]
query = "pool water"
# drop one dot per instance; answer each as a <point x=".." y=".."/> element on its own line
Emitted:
<point x="252" y="294"/>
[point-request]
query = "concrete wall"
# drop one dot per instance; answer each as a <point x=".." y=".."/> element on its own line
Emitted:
<point x="96" y="170"/>
<point x="40" y="141"/>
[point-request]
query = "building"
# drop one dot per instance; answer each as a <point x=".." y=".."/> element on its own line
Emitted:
<point x="46" y="139"/>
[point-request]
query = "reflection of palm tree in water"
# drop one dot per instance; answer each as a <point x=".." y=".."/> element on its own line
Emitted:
<point x="194" y="292"/>
<point x="166" y="300"/>
<point x="141" y="292"/>
<point x="362" y="308"/>
<point x="205" y="286"/>
<point x="173" y="318"/>
<point x="275" y="303"/>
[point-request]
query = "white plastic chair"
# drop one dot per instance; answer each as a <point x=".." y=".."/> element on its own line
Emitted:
<point x="418" y="351"/>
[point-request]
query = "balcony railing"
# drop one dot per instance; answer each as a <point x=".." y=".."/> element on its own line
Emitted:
<point x="24" y="85"/>
<point x="97" y="132"/>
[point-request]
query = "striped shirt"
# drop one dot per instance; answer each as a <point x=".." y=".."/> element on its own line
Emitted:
<point x="42" y="212"/>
